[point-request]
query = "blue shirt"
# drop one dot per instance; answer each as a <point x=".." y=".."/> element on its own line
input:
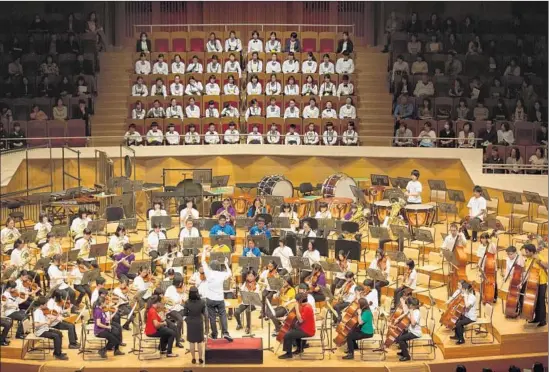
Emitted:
<point x="404" y="111"/>
<point x="257" y="231"/>
<point x="217" y="229"/>
<point x="255" y="251"/>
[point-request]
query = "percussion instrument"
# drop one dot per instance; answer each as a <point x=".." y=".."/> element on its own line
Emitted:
<point x="338" y="207"/>
<point x="299" y="205"/>
<point x="338" y="186"/>
<point x="382" y="209"/>
<point x="374" y="193"/>
<point x="419" y="214"/>
<point x="242" y="203"/>
<point x="275" y="185"/>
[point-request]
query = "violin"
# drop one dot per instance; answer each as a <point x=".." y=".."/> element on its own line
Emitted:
<point x="251" y="286"/>
<point x="50" y="312"/>
<point x="312" y="279"/>
<point x="272" y="273"/>
<point x="30" y="285"/>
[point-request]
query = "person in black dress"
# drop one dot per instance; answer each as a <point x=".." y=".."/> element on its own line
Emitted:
<point x="194" y="311"/>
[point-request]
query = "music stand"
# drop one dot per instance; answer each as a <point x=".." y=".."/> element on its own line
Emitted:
<point x="397" y="256"/>
<point x="300" y="264"/>
<point x="437" y="185"/>
<point x="425" y="237"/>
<point x="450" y="257"/>
<point x="164" y="221"/>
<point x="164" y="244"/>
<point x="260" y="241"/>
<point x="72" y="255"/>
<point x="130" y="224"/>
<point x="244" y="222"/>
<point x="191" y="243"/>
<point x="403" y="182"/>
<point x="98" y="250"/>
<point x="485" y="194"/>
<point x="321" y="244"/>
<point x="532" y="198"/>
<point x="60" y="231"/>
<point x="394" y="182"/>
<point x="183" y="261"/>
<point x="221" y="240"/>
<point x="248" y="263"/>
<point x="351" y="248"/>
<point x="326" y="224"/>
<point x="137" y="247"/>
<point x="379" y="180"/>
<point x="281" y="223"/>
<point x="379" y="233"/>
<point x="97" y="227"/>
<point x="250" y="299"/>
<point x="456" y="196"/>
<point x="359" y="195"/>
<point x="220" y="181"/>
<point x="448" y="208"/>
<point x="401" y="231"/>
<point x="41" y="264"/>
<point x="332" y="267"/>
<point x="202" y="176"/>
<point x="376" y="275"/>
<point x="29" y="236"/>
<point x="274" y="201"/>
<point x="220" y="257"/>
<point x="265" y="260"/>
<point x="90" y="276"/>
<point x="209" y="223"/>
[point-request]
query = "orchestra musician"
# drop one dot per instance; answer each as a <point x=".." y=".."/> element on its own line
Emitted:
<point x="486" y="246"/>
<point x="83" y="246"/>
<point x="271" y="271"/>
<point x="76" y="274"/>
<point x="56" y="307"/>
<point x="284" y="252"/>
<point x="10" y="307"/>
<point x="286" y="296"/>
<point x="226" y="210"/>
<point x="42" y="328"/>
<point x="20" y="258"/>
<point x="409" y="281"/>
<point x="343" y="264"/>
<point x="410" y="308"/>
<point x="79" y="224"/>
<point x="194" y="312"/>
<point x="512" y="259"/>
<point x="117" y="241"/>
<point x="43" y="227"/>
<point x="153" y="241"/>
<point x="142" y="282"/>
<point x="223" y="228"/>
<point x="156" y="211"/>
<point x="414" y="188"/>
<point x="6" y="324"/>
<point x="323" y="211"/>
<point x="477" y="210"/>
<point x="188" y="231"/>
<point x="169" y="257"/>
<point x="457" y="292"/>
<point x="249" y="285"/>
<point x="260" y="228"/>
<point x="345" y="295"/>
<point x="99" y="289"/>
<point x="123" y="262"/>
<point x="103" y="328"/>
<point x="364" y="330"/>
<point x="8" y="235"/>
<point x="121" y="292"/>
<point x="382" y="262"/>
<point x="27" y="289"/>
<point x="287" y="211"/>
<point x="307" y="232"/>
<point x="316" y="281"/>
<point x="314" y="257"/>
<point x="449" y="241"/>
<point x="305" y="327"/>
<point x="371" y="294"/>
<point x="251" y="250"/>
<point x="198" y="280"/>
<point x="470" y="314"/>
<point x="57" y="277"/>
<point x="155" y="326"/>
<point x="189" y="212"/>
<point x="535" y="261"/>
<point x="256" y="208"/>
<point x="50" y="247"/>
<point x="174" y="297"/>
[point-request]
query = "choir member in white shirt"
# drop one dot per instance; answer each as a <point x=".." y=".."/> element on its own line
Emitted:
<point x="273" y="66"/>
<point x="42" y="228"/>
<point x="231" y="88"/>
<point x="311" y="111"/>
<point x="214" y="44"/>
<point x="273" y="87"/>
<point x="345" y="88"/>
<point x="172" y="137"/>
<point x="194" y="87"/>
<point x="192" y="137"/>
<point x="329" y="112"/>
<point x="254" y="137"/>
<point x="156" y="111"/>
<point x="330" y="135"/>
<point x="139" y="89"/>
<point x="153" y="240"/>
<point x="195" y="66"/>
<point x="178" y="66"/>
<point x="327" y="88"/>
<point x="211" y="137"/>
<point x="232" y="135"/>
<point x="159" y="89"/>
<point x="255" y="64"/>
<point x="174" y="110"/>
<point x="232" y="66"/>
<point x="273" y="45"/>
<point x="348" y="110"/>
<point x="292" y="137"/>
<point x="176" y="88"/>
<point x="192" y="110"/>
<point x="326" y="67"/>
<point x="292" y="111"/>
<point x="229" y="111"/>
<point x="212" y="88"/>
<point x="154" y="135"/>
<point x="143" y="66"/>
<point x="138" y="112"/>
<point x="310" y="65"/>
<point x="345" y="65"/>
<point x="291" y="88"/>
<point x="160" y="67"/>
<point x="272" y="111"/>
<point x="132" y="137"/>
<point x="309" y="88"/>
<point x="211" y="111"/>
<point x="290" y="66"/>
<point x="254" y="86"/>
<point x="253" y="109"/>
<point x="255" y="44"/>
<point x="273" y="135"/>
<point x="350" y="136"/>
<point x="311" y="136"/>
<point x="214" y="67"/>
<point x="233" y="44"/>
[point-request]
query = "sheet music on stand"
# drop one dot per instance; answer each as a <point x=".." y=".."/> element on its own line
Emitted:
<point x="449" y="256"/>
<point x="403" y="182"/>
<point x="60" y="231"/>
<point x="192" y="243"/>
<point x="326" y="224"/>
<point x="485" y="194"/>
<point x="397" y="256"/>
<point x="332" y="267"/>
<point x="424" y="236"/>
<point x="300" y="263"/>
<point x="97" y="226"/>
<point x="248" y="262"/>
<point x="202" y="176"/>
<point x="438" y="185"/>
<point x="209" y="223"/>
<point x="221" y="240"/>
<point x="351" y="248"/>
<point x="274" y="201"/>
<point x="183" y="261"/>
<point x="512" y="197"/>
<point x="98" y="250"/>
<point x="379" y="232"/>
<point x="244" y="222"/>
<point x="42" y="264"/>
<point x="137" y="247"/>
<point x="394" y="182"/>
<point x="399" y="230"/>
<point x="379" y="180"/>
<point x="72" y="256"/>
<point x="129" y="223"/>
<point x="165" y="244"/>
<point x="134" y="268"/>
<point x="266" y="258"/>
<point x="275" y="284"/>
<point x="251" y="298"/>
<point x="260" y="241"/>
<point x="376" y="275"/>
<point x="220" y="181"/>
<point x="29" y="235"/>
<point x="90" y="276"/>
<point x="456" y="196"/>
<point x="281" y="223"/>
<point x="164" y="221"/>
<point x="220" y="257"/>
<point x="532" y="197"/>
<point x="447" y="208"/>
<point x="358" y="194"/>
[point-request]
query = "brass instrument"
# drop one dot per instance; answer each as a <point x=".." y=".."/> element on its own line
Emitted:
<point x="43" y="231"/>
<point x="393" y="218"/>
<point x="84" y="250"/>
<point x="10" y="238"/>
<point x="53" y="249"/>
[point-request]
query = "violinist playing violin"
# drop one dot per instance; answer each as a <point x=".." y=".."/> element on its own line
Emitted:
<point x="27" y="289"/>
<point x="410" y="309"/>
<point x="305" y="327"/>
<point x="10" y="307"/>
<point x="122" y="292"/>
<point x="382" y="262"/>
<point x="343" y="264"/>
<point x="103" y="328"/>
<point x="56" y="310"/>
<point x="410" y="281"/>
<point x="174" y="297"/>
<point x="314" y="257"/>
<point x="271" y="271"/>
<point x="365" y="328"/>
<point x="534" y="260"/>
<point x="198" y="279"/>
<point x="316" y="281"/>
<point x="345" y="295"/>
<point x="470" y="314"/>
<point x="286" y="297"/>
<point x="250" y="285"/>
<point x="58" y="277"/>
<point x="42" y="328"/>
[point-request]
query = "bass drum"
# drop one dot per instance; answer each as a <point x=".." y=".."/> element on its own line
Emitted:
<point x="275" y="185"/>
<point x="338" y="186"/>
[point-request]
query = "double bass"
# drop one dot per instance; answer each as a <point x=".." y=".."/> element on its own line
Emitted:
<point x="530" y="285"/>
<point x="488" y="285"/>
<point x="348" y="323"/>
<point x="460" y="270"/>
<point x="513" y="293"/>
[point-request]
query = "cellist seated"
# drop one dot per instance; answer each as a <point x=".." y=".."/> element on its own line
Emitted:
<point x="410" y="309"/>
<point x="364" y="330"/>
<point x="470" y="314"/>
<point x="305" y="327"/>
<point x="409" y="282"/>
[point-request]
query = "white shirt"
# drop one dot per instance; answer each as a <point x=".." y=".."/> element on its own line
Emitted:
<point x="373" y="265"/>
<point x="213" y="69"/>
<point x="254" y="66"/>
<point x="232" y="67"/>
<point x="313" y="256"/>
<point x="372" y="299"/>
<point x="273" y="67"/>
<point x="142" y="67"/>
<point x="327" y="89"/>
<point x="11" y="305"/>
<point x="345" y="66"/>
<point x="273" y="46"/>
<point x="15" y="257"/>
<point x="177" y="89"/>
<point x="414" y="187"/>
<point x="172" y="138"/>
<point x="284" y="253"/>
<point x="214" y="282"/>
<point x="39" y="317"/>
<point x="140" y="284"/>
<point x="185" y="233"/>
<point x="476" y="205"/>
<point x="155" y="112"/>
<point x="346" y="112"/>
<point x="252" y="111"/>
<point x="189" y="212"/>
<point x="134" y="137"/>
<point x="198" y="283"/>
<point x="194" y="89"/>
<point x="211" y="138"/>
<point x="192" y="137"/>
<point x="255" y="45"/>
<point x="214" y="46"/>
<point x="160" y="68"/>
<point x="471" y="301"/>
<point x="155" y="136"/>
<point x="178" y="67"/>
<point x="116" y="243"/>
<point x="343" y="90"/>
<point x="289" y="67"/>
<point x="231" y="136"/>
<point x="43" y="229"/>
<point x="154" y="240"/>
<point x="292" y="137"/>
<point x="176" y="297"/>
<point x="52" y="305"/>
<point x="213" y="89"/>
<point x="195" y="67"/>
<point x="350" y="297"/>
<point x="329" y="114"/>
<point x="192" y="111"/>
<point x="350" y="137"/>
<point x="76" y="225"/>
<point x="311" y="113"/>
<point x="254" y="137"/>
<point x="273" y="137"/>
<point x="310" y="138"/>
<point x="123" y="298"/>
<point x="57" y="277"/>
<point x="231" y="89"/>
<point x="309" y="67"/>
<point x="309" y="89"/>
<point x="233" y="45"/>
<point x="252" y="88"/>
<point x="450" y="240"/>
<point x="273" y="89"/>
<point x="291" y="90"/>
<point x="45" y="251"/>
<point x="174" y="112"/>
<point x="326" y="68"/>
<point x="291" y="112"/>
<point x="138" y="114"/>
<point x="159" y="91"/>
<point x="415" y="330"/>
<point x="329" y="137"/>
<point x="412" y="280"/>
<point x="140" y="90"/>
<point x="211" y="112"/>
<point x="273" y="111"/>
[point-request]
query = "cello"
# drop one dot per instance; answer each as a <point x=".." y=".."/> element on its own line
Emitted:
<point x="348" y="323"/>
<point x="530" y="286"/>
<point x="455" y="309"/>
<point x="289" y="324"/>
<point x="513" y="293"/>
<point x="459" y="272"/>
<point x="396" y="329"/>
